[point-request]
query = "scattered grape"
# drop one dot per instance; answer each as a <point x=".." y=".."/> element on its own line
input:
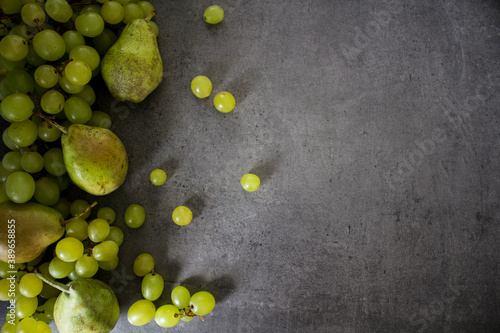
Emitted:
<point x="213" y="14"/>
<point x="143" y="264"/>
<point x="201" y="86"/>
<point x="152" y="286"/>
<point x="250" y="182"/>
<point x="182" y="215"/>
<point x="158" y="177"/>
<point x="141" y="312"/>
<point x="202" y="303"/>
<point x="180" y="297"/>
<point x="135" y="216"/>
<point x="224" y="102"/>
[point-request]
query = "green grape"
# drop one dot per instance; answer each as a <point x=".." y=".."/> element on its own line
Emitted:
<point x="10" y="328"/>
<point x="20" y="187"/>
<point x="132" y="12"/>
<point x="46" y="76"/>
<point x="63" y="206"/>
<point x="141" y="312"/>
<point x="91" y="9"/>
<point x="77" y="228"/>
<point x="89" y="24"/>
<point x="26" y="306"/>
<point x="107" y="213"/>
<point x="46" y="191"/>
<point x="146" y="7"/>
<point x="27" y="325"/>
<point x="32" y="162"/>
<point x="158" y="177"/>
<point x="23" y="133"/>
<point x="22" y="30"/>
<point x="135" y="216"/>
<point x="8" y="141"/>
<point x="87" y="94"/>
<point x="69" y="87"/>
<point x="32" y="14"/>
<point x="78" y="206"/>
<point x="58" y="10"/>
<point x="33" y="58"/>
<point x="52" y="102"/>
<point x="63" y="182"/>
<point x="10" y="7"/>
<point x="13" y="48"/>
<point x="5" y="269"/>
<point x="9" y="65"/>
<point x="109" y="265"/>
<point x="30" y="285"/>
<point x="224" y="102"/>
<point x="152" y="286"/>
<point x="143" y="264"/>
<point x="47" y="291"/>
<point x="105" y="251"/>
<point x="48" y="133"/>
<point x="86" y="266"/>
<point x="78" y="72"/>
<point x="180" y="297"/>
<point x="202" y="303"/>
<point x="12" y="161"/>
<point x="42" y="327"/>
<point x="115" y="235"/>
<point x="201" y="86"/>
<point x="100" y="119"/>
<point x="8" y="289"/>
<point x="49" y="45"/>
<point x="154" y="27"/>
<point x="186" y="319"/>
<point x="48" y="306"/>
<point x="3" y="196"/>
<point x="182" y="215"/>
<point x="104" y="41"/>
<point x="60" y="269"/>
<point x="54" y="162"/>
<point x="123" y="2"/>
<point x="98" y="230"/>
<point x="17" y="107"/>
<point x="167" y="316"/>
<point x="250" y="182"/>
<point x="213" y="14"/>
<point x="112" y="12"/>
<point x="87" y="54"/>
<point x="69" y="249"/>
<point x="20" y="81"/>
<point x="72" y="39"/>
<point x="77" y="110"/>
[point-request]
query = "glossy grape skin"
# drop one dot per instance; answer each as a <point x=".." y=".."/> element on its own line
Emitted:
<point x="26" y="306"/>
<point x="202" y="303"/>
<point x="17" y="107"/>
<point x="46" y="191"/>
<point x="30" y="285"/>
<point x="135" y="216"/>
<point x="78" y="72"/>
<point x="213" y="14"/>
<point x="116" y="235"/>
<point x="224" y="102"/>
<point x="13" y="48"/>
<point x="89" y="24"/>
<point x="105" y="251"/>
<point x="72" y="39"/>
<point x="250" y="182"/>
<point x="69" y="249"/>
<point x="112" y="12"/>
<point x="11" y="161"/>
<point x="180" y="297"/>
<point x="182" y="215"/>
<point x="201" y="86"/>
<point x="98" y="230"/>
<point x="152" y="286"/>
<point x="46" y="76"/>
<point x="110" y="264"/>
<point x="86" y="266"/>
<point x="167" y="316"/>
<point x="32" y="162"/>
<point x="52" y="101"/>
<point x="59" y="10"/>
<point x="107" y="213"/>
<point x="143" y="264"/>
<point x="77" y="228"/>
<point x="20" y="186"/>
<point x="158" y="177"/>
<point x="60" y="269"/>
<point x="32" y="14"/>
<point x="141" y="312"/>
<point x="6" y="293"/>
<point x="49" y="45"/>
<point x="78" y="206"/>
<point x="23" y="133"/>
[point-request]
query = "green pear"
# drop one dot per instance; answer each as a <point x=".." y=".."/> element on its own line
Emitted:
<point x="27" y="229"/>
<point x="132" y="68"/>
<point x="95" y="158"/>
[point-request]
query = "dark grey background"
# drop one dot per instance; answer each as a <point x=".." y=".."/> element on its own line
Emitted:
<point x="374" y="127"/>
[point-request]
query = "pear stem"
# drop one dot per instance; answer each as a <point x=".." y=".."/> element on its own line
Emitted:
<point x="50" y="121"/>
<point x="63" y="223"/>
<point x="150" y="16"/>
<point x="58" y="285"/>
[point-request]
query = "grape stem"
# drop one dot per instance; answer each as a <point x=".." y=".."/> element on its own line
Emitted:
<point x="150" y="16"/>
<point x="188" y="313"/>
<point x="63" y="223"/>
<point x="207" y="102"/>
<point x="51" y="121"/>
<point x="58" y="285"/>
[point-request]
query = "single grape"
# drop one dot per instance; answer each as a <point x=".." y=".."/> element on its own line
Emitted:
<point x="17" y="107"/>
<point x="46" y="191"/>
<point x="78" y="206"/>
<point x="167" y="315"/>
<point x="86" y="266"/>
<point x="152" y="286"/>
<point x="77" y="228"/>
<point x="89" y="24"/>
<point x="46" y="76"/>
<point x="23" y="133"/>
<point x="134" y="216"/>
<point x="49" y="45"/>
<point x="69" y="87"/>
<point x="109" y="265"/>
<point x="10" y="7"/>
<point x="143" y="264"/>
<point x="116" y="235"/>
<point x="98" y="230"/>
<point x="4" y="173"/>
<point x="132" y="11"/>
<point x="30" y="285"/>
<point x="112" y="12"/>
<point x="54" y="162"/>
<point x="158" y="177"/>
<point x="224" y="102"/>
<point x="69" y="249"/>
<point x="154" y="27"/>
<point x="250" y="182"/>
<point x="100" y="119"/>
<point x="13" y="48"/>
<point x="12" y="161"/>
<point x="107" y="213"/>
<point x="86" y="53"/>
<point x="141" y="312"/>
<point x="146" y="7"/>
<point x="201" y="86"/>
<point x="27" y="325"/>
<point x="104" y="41"/>
<point x="8" y="141"/>
<point x="59" y="269"/>
<point x="87" y="94"/>
<point x="105" y="251"/>
<point x="22" y="30"/>
<point x="52" y="101"/>
<point x="202" y="303"/>
<point x="58" y="10"/>
<point x="72" y="39"/>
<point x="42" y="327"/>
<point x="26" y="306"/>
<point x="32" y="161"/>
<point x="20" y="81"/>
<point x="213" y="14"/>
<point x="182" y="215"/>
<point x="33" y="14"/>
<point x="77" y="110"/>
<point x="20" y="187"/>
<point x="78" y="72"/>
<point x="180" y="297"/>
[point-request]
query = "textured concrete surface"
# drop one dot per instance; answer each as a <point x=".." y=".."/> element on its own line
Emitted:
<point x="374" y="126"/>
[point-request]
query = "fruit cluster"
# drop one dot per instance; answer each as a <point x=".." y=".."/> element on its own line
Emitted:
<point x="184" y="305"/>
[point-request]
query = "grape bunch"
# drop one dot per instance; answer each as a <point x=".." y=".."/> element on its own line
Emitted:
<point x="184" y="306"/>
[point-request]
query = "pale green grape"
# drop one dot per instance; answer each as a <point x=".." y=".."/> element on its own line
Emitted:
<point x="134" y="216"/>
<point x="180" y="297"/>
<point x="8" y="141"/>
<point x="30" y="285"/>
<point x="202" y="303"/>
<point x="105" y="251"/>
<point x="13" y="48"/>
<point x="154" y="27"/>
<point x="17" y="107"/>
<point x="86" y="266"/>
<point x="146" y="7"/>
<point x="132" y="11"/>
<point x="46" y="191"/>
<point x="12" y="161"/>
<point x="98" y="230"/>
<point x="49" y="45"/>
<point x="63" y="206"/>
<point x="58" y="10"/>
<point x="20" y="186"/>
<point x="33" y="58"/>
<point x="91" y="9"/>
<point x="32" y="162"/>
<point x="77" y="110"/>
<point x="104" y="41"/>
<point x="52" y="101"/>
<point x="141" y="312"/>
<point x="54" y="162"/>
<point x="27" y="325"/>
<point x="87" y="54"/>
<point x="22" y="30"/>
<point x="72" y="39"/>
<point x="20" y="81"/>
<point x="115" y="235"/>
<point x="48" y="133"/>
<point x="33" y="14"/>
<point x="224" y="102"/>
<point x="158" y="177"/>
<point x="143" y="264"/>
<point x="23" y="133"/>
<point x="182" y="215"/>
<point x="78" y="72"/>
<point x="107" y="213"/>
<point x="42" y="327"/>
<point x="87" y="94"/>
<point x="10" y="7"/>
<point x="10" y="328"/>
<point x="89" y="24"/>
<point x="69" y="87"/>
<point x="112" y="12"/>
<point x="5" y="268"/>
<point x="152" y="286"/>
<point x="77" y="228"/>
<point x="109" y="265"/>
<point x="26" y="306"/>
<point x="46" y="76"/>
<point x="186" y="319"/>
<point x="100" y="119"/>
<point x="213" y="14"/>
<point x="69" y="249"/>
<point x="78" y="206"/>
<point x="201" y="86"/>
<point x="167" y="315"/>
<point x="60" y="269"/>
<point x="250" y="182"/>
<point x="8" y="289"/>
